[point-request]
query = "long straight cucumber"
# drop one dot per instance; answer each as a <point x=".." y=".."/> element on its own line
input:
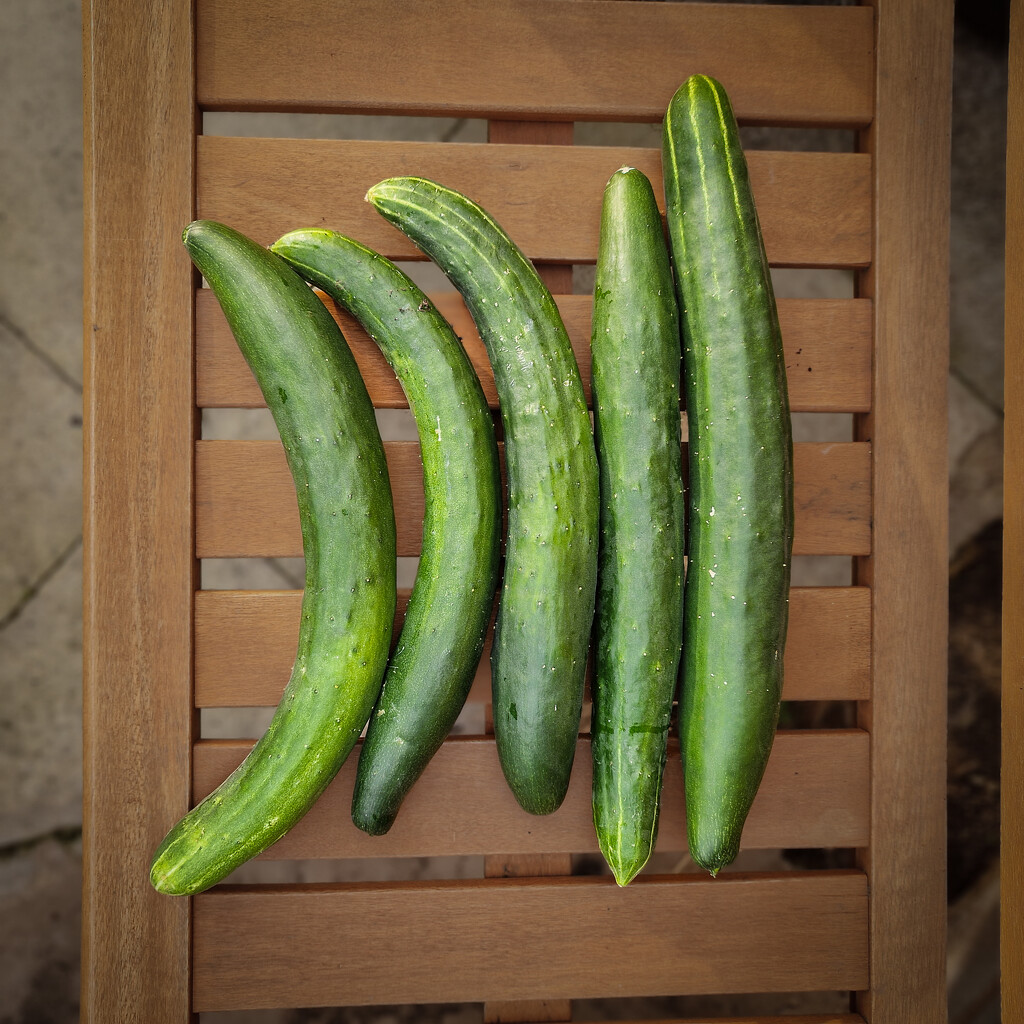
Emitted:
<point x="432" y="667"/>
<point x="741" y="471"/>
<point x="639" y="629"/>
<point x="546" y="607"/>
<point x="327" y="425"/>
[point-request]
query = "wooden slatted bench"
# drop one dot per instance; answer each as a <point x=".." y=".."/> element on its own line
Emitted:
<point x="528" y="936"/>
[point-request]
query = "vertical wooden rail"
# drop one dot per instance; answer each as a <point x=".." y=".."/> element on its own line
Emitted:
<point x="559" y="279"/>
<point x="1011" y="926"/>
<point x="907" y="571"/>
<point x="139" y="572"/>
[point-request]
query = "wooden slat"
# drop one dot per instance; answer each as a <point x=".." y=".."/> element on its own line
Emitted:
<point x="245" y="499"/>
<point x="908" y="570"/>
<point x="1011" y="892"/>
<point x="512" y="60"/>
<point x="814" y="208"/>
<point x="245" y="643"/>
<point x="553" y="938"/>
<point x="139" y="569"/>
<point x="828" y="353"/>
<point x="814" y="794"/>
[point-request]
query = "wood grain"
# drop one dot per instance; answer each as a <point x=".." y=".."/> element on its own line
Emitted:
<point x="828" y="353"/>
<point x="245" y="499"/>
<point x="542" y="936"/>
<point x="814" y="208"/>
<point x="797" y="66"/>
<point x="139" y="569"/>
<point x="815" y="794"/>
<point x="1011" y="892"/>
<point x="908" y="568"/>
<point x="245" y="644"/>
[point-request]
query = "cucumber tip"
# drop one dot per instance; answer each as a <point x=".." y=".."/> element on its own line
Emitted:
<point x="625" y="873"/>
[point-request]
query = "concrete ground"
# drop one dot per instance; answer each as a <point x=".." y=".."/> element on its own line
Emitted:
<point x="40" y="516"/>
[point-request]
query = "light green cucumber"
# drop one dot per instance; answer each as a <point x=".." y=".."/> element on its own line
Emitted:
<point x="638" y="635"/>
<point x="431" y="669"/>
<point x="741" y="471"/>
<point x="329" y="432"/>
<point x="546" y="603"/>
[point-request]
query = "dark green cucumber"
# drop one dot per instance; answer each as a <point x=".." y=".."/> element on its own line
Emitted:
<point x="546" y="607"/>
<point x="327" y="425"/>
<point x="432" y="667"/>
<point x="639" y="628"/>
<point x="741" y="471"/>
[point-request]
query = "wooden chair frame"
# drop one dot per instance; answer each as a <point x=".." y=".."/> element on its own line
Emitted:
<point x="157" y="496"/>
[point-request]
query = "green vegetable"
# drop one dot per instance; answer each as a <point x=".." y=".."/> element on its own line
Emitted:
<point x="432" y="667"/>
<point x="327" y="425"/>
<point x="639" y="629"/>
<point x="741" y="471"/>
<point x="546" y="607"/>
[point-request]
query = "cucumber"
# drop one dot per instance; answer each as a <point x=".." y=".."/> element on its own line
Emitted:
<point x="546" y="605"/>
<point x="638" y="633"/>
<point x="741" y="471"/>
<point x="327" y="425"/>
<point x="431" y="669"/>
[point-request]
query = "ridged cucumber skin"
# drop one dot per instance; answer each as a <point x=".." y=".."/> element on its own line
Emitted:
<point x="432" y="666"/>
<point x="741" y="471"/>
<point x="326" y="421"/>
<point x="638" y="636"/>
<point x="546" y="604"/>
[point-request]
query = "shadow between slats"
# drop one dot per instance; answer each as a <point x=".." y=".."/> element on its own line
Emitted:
<point x="555" y="938"/>
<point x="469" y="1013"/>
<point x="668" y="1009"/>
<point x="814" y="795"/>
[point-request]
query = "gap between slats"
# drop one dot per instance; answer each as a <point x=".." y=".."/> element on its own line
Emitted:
<point x="245" y="644"/>
<point x="558" y="938"/>
<point x="814" y="208"/>
<point x="814" y="795"/>
<point x="800" y="1018"/>
<point x="796" y="65"/>
<point x="246" y="506"/>
<point x="828" y="353"/>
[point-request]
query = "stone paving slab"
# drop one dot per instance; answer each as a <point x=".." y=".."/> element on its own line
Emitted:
<point x="39" y="945"/>
<point x="41" y="716"/>
<point x="977" y="229"/>
<point x="976" y="488"/>
<point x="270" y="124"/>
<point x="975" y="463"/>
<point x="41" y="183"/>
<point x="40" y="466"/>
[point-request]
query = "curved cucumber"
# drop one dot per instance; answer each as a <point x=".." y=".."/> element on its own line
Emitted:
<point x="432" y="667"/>
<point x="639" y="628"/>
<point x="547" y="599"/>
<point x="741" y="471"/>
<point x="327" y="425"/>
